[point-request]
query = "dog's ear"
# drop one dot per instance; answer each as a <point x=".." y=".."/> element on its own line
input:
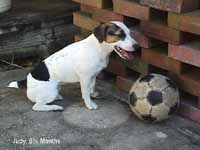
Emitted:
<point x="100" y="32"/>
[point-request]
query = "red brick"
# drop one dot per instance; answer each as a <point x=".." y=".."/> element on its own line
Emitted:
<point x="119" y="66"/>
<point x="116" y="67"/>
<point x="142" y="39"/>
<point x="188" y="22"/>
<point x="131" y="9"/>
<point x="96" y="3"/>
<point x="84" y="20"/>
<point x="189" y="82"/>
<point x="188" y="53"/>
<point x="88" y="9"/>
<point x="154" y="57"/>
<point x="162" y="32"/>
<point x="173" y="20"/>
<point x="188" y="111"/>
<point x="124" y="84"/>
<point x="104" y="15"/>
<point x="136" y="65"/>
<point x="178" y="6"/>
<point x="82" y="34"/>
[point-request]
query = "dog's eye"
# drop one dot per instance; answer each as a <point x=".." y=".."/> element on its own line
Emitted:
<point x="119" y="35"/>
<point x="122" y="35"/>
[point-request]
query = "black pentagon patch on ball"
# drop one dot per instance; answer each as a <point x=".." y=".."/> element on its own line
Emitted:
<point x="155" y="97"/>
<point x="173" y="109"/>
<point x="132" y="98"/>
<point x="148" y="118"/>
<point x="171" y="84"/>
<point x="146" y="78"/>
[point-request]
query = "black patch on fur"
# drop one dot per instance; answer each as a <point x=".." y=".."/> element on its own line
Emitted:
<point x="112" y="31"/>
<point x="173" y="109"/>
<point x="22" y="84"/>
<point x="148" y="118"/>
<point x="122" y="35"/>
<point x="100" y="32"/>
<point x="132" y="99"/>
<point x="146" y="78"/>
<point x="171" y="84"/>
<point x="155" y="97"/>
<point x="41" y="72"/>
<point x="103" y="30"/>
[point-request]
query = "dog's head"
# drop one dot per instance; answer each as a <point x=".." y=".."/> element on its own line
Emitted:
<point x="116" y="35"/>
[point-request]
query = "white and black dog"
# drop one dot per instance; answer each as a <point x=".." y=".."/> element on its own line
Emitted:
<point x="78" y="62"/>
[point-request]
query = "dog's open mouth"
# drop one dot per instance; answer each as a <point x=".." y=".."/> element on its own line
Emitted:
<point x="123" y="53"/>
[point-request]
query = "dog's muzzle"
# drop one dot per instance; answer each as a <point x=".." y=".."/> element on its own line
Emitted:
<point x="129" y="55"/>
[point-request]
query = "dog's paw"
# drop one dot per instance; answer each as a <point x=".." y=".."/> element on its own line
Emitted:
<point x="92" y="105"/>
<point x="44" y="107"/>
<point x="56" y="108"/>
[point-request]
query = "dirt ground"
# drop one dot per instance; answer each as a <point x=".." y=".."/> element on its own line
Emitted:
<point x="111" y="127"/>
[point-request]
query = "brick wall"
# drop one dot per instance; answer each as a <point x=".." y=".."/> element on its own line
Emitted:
<point x="167" y="30"/>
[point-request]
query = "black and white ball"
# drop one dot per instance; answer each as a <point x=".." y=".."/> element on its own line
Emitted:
<point x="154" y="97"/>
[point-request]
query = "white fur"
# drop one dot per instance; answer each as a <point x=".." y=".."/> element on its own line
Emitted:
<point x="13" y="84"/>
<point x="78" y="62"/>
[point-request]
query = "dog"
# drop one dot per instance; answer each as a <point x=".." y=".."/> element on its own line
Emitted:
<point x="79" y="62"/>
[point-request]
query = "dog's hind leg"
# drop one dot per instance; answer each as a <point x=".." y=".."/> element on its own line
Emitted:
<point x="43" y="100"/>
<point x="43" y="94"/>
<point x="45" y="107"/>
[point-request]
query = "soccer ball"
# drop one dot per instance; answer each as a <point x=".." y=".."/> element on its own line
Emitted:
<point x="154" y="97"/>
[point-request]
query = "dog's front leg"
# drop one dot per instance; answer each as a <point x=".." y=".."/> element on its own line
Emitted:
<point x="86" y="91"/>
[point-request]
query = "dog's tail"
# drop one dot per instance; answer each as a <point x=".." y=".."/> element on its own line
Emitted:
<point x="18" y="84"/>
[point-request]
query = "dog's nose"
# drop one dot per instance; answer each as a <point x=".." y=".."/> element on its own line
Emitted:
<point x="136" y="47"/>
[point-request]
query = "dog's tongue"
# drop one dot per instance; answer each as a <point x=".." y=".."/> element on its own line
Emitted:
<point x="127" y="55"/>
